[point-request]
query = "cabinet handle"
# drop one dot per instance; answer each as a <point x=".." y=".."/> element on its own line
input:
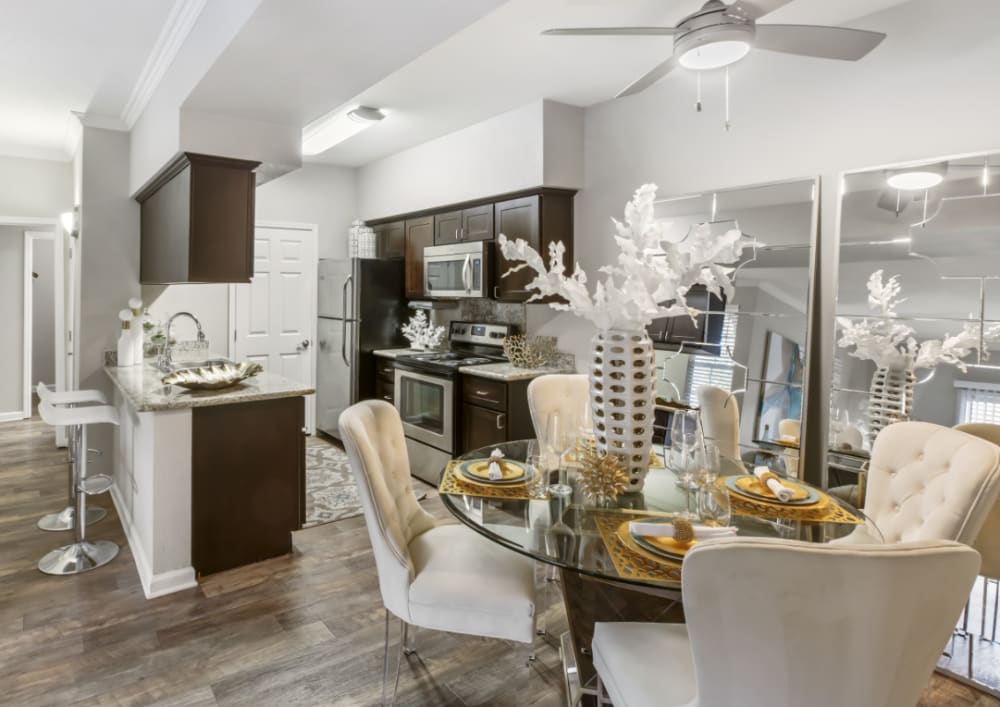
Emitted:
<point x="481" y="394"/>
<point x="456" y="234"/>
<point x="496" y="289"/>
<point x="461" y="232"/>
<point x="387" y="398"/>
<point x="500" y="417"/>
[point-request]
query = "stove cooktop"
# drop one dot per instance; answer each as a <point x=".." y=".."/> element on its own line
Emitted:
<point x="445" y="361"/>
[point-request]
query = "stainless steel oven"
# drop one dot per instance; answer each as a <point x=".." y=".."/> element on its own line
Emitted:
<point x="461" y="270"/>
<point x="426" y="404"/>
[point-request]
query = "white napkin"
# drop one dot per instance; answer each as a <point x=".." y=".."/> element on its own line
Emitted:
<point x="666" y="530"/>
<point x="495" y="472"/>
<point x="780" y="491"/>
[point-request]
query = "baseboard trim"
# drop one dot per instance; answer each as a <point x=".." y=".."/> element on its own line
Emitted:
<point x="12" y="416"/>
<point x="153" y="585"/>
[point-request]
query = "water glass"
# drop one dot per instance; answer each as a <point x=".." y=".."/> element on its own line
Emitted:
<point x="537" y="484"/>
<point x="713" y="505"/>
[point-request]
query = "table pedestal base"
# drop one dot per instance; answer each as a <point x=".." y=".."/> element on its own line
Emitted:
<point x="589" y="600"/>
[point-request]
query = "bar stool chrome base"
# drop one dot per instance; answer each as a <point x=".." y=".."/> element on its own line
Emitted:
<point x="78" y="558"/>
<point x="66" y="518"/>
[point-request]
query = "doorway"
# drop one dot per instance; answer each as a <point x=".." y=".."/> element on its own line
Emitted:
<point x="273" y="319"/>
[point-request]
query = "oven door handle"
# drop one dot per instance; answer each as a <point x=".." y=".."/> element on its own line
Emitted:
<point x="467" y="274"/>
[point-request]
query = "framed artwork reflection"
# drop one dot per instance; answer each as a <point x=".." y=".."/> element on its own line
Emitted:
<point x="781" y="395"/>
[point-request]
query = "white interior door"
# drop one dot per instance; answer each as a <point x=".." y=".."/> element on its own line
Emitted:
<point x="274" y="317"/>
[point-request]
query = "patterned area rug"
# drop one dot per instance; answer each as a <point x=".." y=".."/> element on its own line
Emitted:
<point x="330" y="491"/>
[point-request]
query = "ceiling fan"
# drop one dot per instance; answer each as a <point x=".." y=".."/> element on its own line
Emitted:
<point x="718" y="35"/>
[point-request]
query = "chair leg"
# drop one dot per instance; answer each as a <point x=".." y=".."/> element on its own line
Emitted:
<point x="389" y="699"/>
<point x="409" y="639"/>
<point x="600" y="693"/>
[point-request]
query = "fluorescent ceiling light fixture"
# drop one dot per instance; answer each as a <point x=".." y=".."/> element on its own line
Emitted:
<point x="320" y="135"/>
<point x="917" y="178"/>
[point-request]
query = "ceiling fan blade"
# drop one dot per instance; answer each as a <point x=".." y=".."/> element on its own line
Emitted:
<point x="648" y="79"/>
<point x="752" y="9"/>
<point x="824" y="42"/>
<point x="610" y="31"/>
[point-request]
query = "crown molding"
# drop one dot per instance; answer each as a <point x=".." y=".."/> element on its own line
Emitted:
<point x="104" y="122"/>
<point x="175" y="31"/>
<point x="33" y="152"/>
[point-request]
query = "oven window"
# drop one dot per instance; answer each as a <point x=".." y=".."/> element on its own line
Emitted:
<point x="422" y="404"/>
<point x="445" y="275"/>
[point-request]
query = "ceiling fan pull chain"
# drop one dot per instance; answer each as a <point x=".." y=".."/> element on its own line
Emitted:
<point x="927" y="196"/>
<point x="986" y="175"/>
<point x="727" y="99"/>
<point x="697" y="104"/>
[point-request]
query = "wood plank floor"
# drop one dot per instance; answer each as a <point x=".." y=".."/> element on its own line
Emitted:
<point x="305" y="629"/>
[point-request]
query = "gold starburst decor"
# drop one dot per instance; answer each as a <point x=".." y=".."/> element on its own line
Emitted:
<point x="603" y="476"/>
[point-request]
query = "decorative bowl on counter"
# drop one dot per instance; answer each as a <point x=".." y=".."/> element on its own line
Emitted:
<point x="529" y="351"/>
<point x="212" y="377"/>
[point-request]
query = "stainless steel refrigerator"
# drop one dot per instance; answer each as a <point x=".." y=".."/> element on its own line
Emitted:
<point x="361" y="308"/>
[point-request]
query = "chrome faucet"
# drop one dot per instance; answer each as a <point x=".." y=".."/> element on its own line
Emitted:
<point x="165" y="359"/>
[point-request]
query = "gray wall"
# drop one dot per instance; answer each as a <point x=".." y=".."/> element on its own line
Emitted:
<point x="12" y="314"/>
<point x="43" y="312"/>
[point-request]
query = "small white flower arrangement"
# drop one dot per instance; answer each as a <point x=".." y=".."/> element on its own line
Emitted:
<point x="650" y="269"/>
<point x="421" y="333"/>
<point x="890" y="343"/>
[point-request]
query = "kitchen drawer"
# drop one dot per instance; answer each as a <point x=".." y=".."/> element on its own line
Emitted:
<point x="482" y="427"/>
<point x="385" y="369"/>
<point x="485" y="392"/>
<point x="385" y="391"/>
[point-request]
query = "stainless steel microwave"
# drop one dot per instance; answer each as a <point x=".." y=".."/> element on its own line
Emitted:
<point x="461" y="270"/>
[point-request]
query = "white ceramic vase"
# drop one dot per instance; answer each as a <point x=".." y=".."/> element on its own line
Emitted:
<point x="890" y="398"/>
<point x="622" y="395"/>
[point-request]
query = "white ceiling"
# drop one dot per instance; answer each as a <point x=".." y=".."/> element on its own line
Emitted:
<point x="501" y="62"/>
<point x="60" y="56"/>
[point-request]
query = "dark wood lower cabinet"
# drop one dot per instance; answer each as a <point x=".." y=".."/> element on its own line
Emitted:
<point x="247" y="482"/>
<point x="494" y="411"/>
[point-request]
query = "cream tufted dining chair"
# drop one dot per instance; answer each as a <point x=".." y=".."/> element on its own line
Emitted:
<point x="443" y="577"/>
<point x="720" y="419"/>
<point x="778" y="623"/>
<point x="927" y="482"/>
<point x="565" y="393"/>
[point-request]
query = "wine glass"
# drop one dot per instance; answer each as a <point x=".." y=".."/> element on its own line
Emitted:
<point x="685" y="441"/>
<point x="560" y="433"/>
<point x="713" y="505"/>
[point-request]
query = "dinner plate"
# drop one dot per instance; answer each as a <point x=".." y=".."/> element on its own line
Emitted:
<point x="665" y="546"/>
<point x="478" y="472"/>
<point x="749" y="486"/>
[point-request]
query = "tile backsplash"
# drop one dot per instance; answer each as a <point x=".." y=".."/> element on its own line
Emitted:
<point x="482" y="310"/>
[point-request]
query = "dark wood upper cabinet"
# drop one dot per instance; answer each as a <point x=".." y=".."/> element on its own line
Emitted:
<point x="197" y="221"/>
<point x="448" y="228"/>
<point x="540" y="219"/>
<point x="419" y="234"/>
<point x="390" y="239"/>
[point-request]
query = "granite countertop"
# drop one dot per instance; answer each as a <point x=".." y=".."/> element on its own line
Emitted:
<point x="141" y="386"/>
<point x="510" y="372"/>
<point x="393" y="353"/>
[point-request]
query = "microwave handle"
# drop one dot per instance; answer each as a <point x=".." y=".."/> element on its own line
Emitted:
<point x="467" y="274"/>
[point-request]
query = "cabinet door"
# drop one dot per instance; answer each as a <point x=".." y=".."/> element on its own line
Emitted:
<point x="482" y="427"/>
<point x="477" y="223"/>
<point x="448" y="228"/>
<point x="517" y="218"/>
<point x="390" y="239"/>
<point x="384" y="391"/>
<point x="419" y="234"/>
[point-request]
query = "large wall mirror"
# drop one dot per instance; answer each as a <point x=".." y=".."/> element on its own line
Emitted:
<point x="742" y="363"/>
<point x="918" y="303"/>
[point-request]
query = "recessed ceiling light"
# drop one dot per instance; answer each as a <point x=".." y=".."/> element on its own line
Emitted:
<point x="332" y="129"/>
<point x="713" y="48"/>
<point x="917" y="178"/>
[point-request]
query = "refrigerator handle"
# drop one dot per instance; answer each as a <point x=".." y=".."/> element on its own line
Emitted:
<point x="343" y="322"/>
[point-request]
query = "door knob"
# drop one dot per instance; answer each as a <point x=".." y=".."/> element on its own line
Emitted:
<point x="304" y="345"/>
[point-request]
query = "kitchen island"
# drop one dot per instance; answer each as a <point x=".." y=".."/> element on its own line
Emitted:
<point x="206" y="480"/>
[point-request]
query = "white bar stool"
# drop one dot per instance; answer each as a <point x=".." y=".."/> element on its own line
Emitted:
<point x="66" y="518"/>
<point x="82" y="554"/>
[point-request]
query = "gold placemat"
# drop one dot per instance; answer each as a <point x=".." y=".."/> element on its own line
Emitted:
<point x="825" y="510"/>
<point x="751" y="484"/>
<point x="453" y="484"/>
<point x="630" y="560"/>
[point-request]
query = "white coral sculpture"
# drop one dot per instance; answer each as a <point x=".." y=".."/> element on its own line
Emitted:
<point x="421" y="333"/>
<point x="651" y="277"/>
<point x="890" y="343"/>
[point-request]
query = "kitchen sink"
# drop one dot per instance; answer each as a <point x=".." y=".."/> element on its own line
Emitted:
<point x="185" y="365"/>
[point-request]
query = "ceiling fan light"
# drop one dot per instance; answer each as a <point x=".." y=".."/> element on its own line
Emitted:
<point x="714" y="55"/>
<point x="915" y="179"/>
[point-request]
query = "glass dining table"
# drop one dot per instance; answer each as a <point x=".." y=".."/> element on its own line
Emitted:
<point x="602" y="577"/>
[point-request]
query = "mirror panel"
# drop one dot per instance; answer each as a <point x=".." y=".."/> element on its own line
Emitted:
<point x="743" y="363"/>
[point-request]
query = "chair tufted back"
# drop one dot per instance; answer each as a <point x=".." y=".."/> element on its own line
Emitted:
<point x="927" y="482"/>
<point x="988" y="540"/>
<point x="563" y="392"/>
<point x="374" y="441"/>
<point x="720" y="418"/>
<point x="789" y="620"/>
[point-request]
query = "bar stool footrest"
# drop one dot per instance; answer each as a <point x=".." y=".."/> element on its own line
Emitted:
<point x="96" y="484"/>
<point x="66" y="518"/>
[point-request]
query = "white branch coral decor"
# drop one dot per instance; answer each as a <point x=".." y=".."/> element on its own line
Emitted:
<point x="651" y="276"/>
<point x="421" y="333"/>
<point x="649" y="279"/>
